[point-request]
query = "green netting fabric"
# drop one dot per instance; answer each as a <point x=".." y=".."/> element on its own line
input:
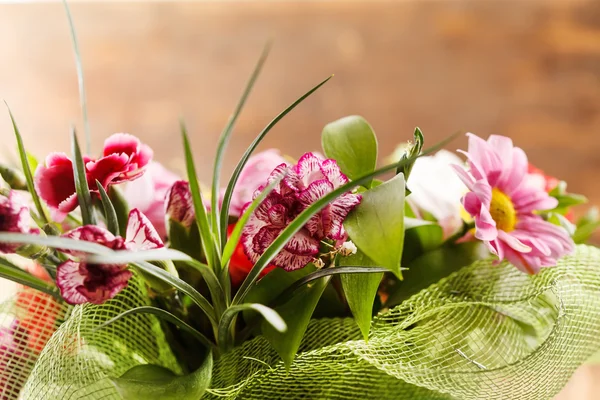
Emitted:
<point x="484" y="332"/>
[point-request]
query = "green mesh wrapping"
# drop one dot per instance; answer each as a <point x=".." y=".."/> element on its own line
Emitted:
<point x="484" y="332"/>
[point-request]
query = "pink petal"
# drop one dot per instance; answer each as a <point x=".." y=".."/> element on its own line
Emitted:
<point x="315" y="191"/>
<point x="121" y="143"/>
<point x="144" y="156"/>
<point x="107" y="169"/>
<point x="54" y="182"/>
<point x="513" y="242"/>
<point x="179" y="205"/>
<point x="141" y="235"/>
<point x="309" y="169"/>
<point x="339" y="210"/>
<point x="103" y="282"/>
<point x="290" y="261"/>
<point x="303" y="244"/>
<point x="332" y="172"/>
<point x="513" y="177"/>
<point x="68" y="280"/>
<point x="464" y="176"/>
<point x="485" y="225"/>
<point x="472" y="203"/>
<point x="95" y="234"/>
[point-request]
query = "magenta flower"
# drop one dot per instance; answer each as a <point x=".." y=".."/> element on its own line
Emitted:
<point x="179" y="205"/>
<point x="81" y="282"/>
<point x="305" y="183"/>
<point x="14" y="217"/>
<point x="148" y="193"/>
<point x="124" y="159"/>
<point x="504" y="206"/>
<point x="255" y="173"/>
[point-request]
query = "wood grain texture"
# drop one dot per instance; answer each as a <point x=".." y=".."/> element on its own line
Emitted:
<point x="526" y="69"/>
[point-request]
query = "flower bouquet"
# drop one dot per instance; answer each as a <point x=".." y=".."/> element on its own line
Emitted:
<point x="316" y="278"/>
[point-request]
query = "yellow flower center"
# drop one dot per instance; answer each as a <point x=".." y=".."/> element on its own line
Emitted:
<point x="503" y="211"/>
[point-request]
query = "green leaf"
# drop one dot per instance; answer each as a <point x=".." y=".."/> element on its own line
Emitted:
<point x="27" y="171"/>
<point x="207" y="240"/>
<point x="162" y="314"/>
<point x="15" y="178"/>
<point x="587" y="225"/>
<point x="352" y="143"/>
<point x="120" y="205"/>
<point x="224" y="138"/>
<point x="80" y="80"/>
<point x="55" y="242"/>
<point x="360" y="290"/>
<point x="420" y="237"/>
<point x="296" y="313"/>
<point x="238" y="169"/>
<point x="81" y="184"/>
<point x="376" y="225"/>
<point x="112" y="222"/>
<point x="270" y="316"/>
<point x="181" y="285"/>
<point x="145" y="382"/>
<point x="13" y="273"/>
<point x="435" y="265"/>
<point x="305" y="215"/>
<point x="235" y="236"/>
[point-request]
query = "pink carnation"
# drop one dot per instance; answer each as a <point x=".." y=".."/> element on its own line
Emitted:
<point x="309" y="180"/>
<point x="124" y="159"/>
<point x="14" y="217"/>
<point x="81" y="282"/>
<point x="504" y="206"/>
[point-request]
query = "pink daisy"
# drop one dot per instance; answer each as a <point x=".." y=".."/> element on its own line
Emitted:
<point x="504" y="206"/>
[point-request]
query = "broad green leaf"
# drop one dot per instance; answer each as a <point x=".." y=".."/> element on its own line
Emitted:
<point x="27" y="171"/>
<point x="145" y="382"/>
<point x="162" y="314"/>
<point x="207" y="240"/>
<point x="13" y="273"/>
<point x="224" y="138"/>
<point x="185" y="239"/>
<point x="420" y="237"/>
<point x="433" y="266"/>
<point x="360" y="290"/>
<point x="305" y="215"/>
<point x="296" y="313"/>
<point x="376" y="225"/>
<point x="352" y="143"/>
<point x="112" y="222"/>
<point x="80" y="80"/>
<point x="227" y="319"/>
<point x="81" y="184"/>
<point x="238" y="169"/>
<point x="120" y="205"/>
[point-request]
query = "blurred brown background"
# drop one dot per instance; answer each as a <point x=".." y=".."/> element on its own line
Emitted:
<point x="526" y="69"/>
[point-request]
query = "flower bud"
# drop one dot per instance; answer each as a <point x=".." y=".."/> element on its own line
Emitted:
<point x="179" y="206"/>
<point x="14" y="217"/>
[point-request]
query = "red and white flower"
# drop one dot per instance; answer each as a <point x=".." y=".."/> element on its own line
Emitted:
<point x="179" y="205"/>
<point x="504" y="206"/>
<point x="124" y="159"/>
<point x="81" y="282"/>
<point x="14" y="217"/>
<point x="306" y="182"/>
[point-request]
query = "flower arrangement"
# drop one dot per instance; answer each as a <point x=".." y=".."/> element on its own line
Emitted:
<point x="307" y="278"/>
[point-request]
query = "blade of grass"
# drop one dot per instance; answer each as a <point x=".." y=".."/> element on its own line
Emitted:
<point x="304" y="216"/>
<point x="162" y="314"/>
<point x="224" y="139"/>
<point x="238" y="169"/>
<point x="236" y="234"/>
<point x="27" y="170"/>
<point x="207" y="239"/>
<point x="112" y="222"/>
<point x="55" y="242"/>
<point x="181" y="285"/>
<point x="270" y="315"/>
<point x="81" y="184"/>
<point x="11" y="272"/>
<point x="80" y="80"/>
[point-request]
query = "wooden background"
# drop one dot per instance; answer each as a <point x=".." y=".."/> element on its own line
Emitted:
<point x="526" y="69"/>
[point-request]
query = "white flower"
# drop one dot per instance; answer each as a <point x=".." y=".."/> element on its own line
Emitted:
<point x="436" y="189"/>
<point x="348" y="248"/>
